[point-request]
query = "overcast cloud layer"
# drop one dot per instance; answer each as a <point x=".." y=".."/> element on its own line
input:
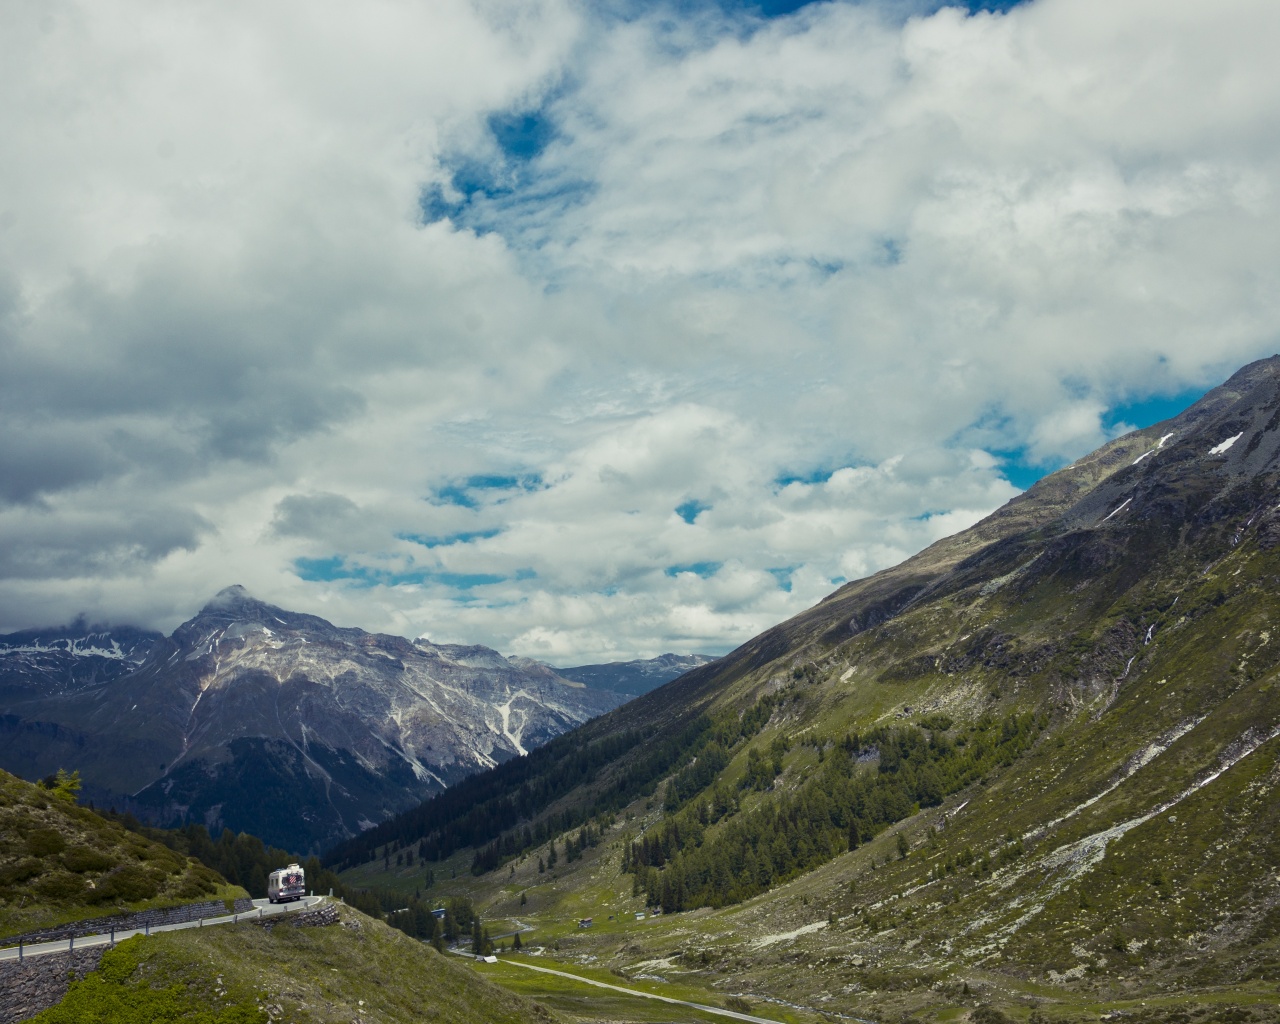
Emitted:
<point x="592" y="333"/>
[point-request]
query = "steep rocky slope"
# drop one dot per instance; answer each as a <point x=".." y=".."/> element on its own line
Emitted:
<point x="273" y="722"/>
<point x="1035" y="765"/>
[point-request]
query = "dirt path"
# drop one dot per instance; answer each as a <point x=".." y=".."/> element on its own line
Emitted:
<point x="718" y="1010"/>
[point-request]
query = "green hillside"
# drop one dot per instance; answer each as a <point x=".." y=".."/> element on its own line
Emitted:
<point x="60" y="862"/>
<point x="355" y="970"/>
<point x="1033" y="767"/>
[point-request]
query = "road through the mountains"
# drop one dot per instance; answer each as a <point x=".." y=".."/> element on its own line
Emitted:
<point x="262" y="909"/>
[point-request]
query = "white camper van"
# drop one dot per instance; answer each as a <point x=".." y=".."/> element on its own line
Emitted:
<point x="286" y="885"/>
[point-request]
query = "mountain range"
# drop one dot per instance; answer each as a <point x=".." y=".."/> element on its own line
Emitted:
<point x="269" y="721"/>
<point x="1033" y="768"/>
<point x="635" y="677"/>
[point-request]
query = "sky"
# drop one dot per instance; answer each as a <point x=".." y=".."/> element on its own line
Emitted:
<point x="594" y="329"/>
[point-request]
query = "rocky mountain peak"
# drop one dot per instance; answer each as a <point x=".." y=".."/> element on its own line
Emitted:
<point x="271" y="721"/>
<point x="235" y="603"/>
<point x="228" y="597"/>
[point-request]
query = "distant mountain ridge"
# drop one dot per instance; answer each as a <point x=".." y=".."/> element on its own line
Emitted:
<point x="635" y="677"/>
<point x="270" y="721"/>
<point x="68" y="657"/>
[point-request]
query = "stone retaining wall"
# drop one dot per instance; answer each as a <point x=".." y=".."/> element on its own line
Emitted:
<point x="38" y="982"/>
<point x="127" y="922"/>
<point x="316" y="917"/>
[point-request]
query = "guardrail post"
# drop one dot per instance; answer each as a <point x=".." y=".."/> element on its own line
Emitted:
<point x="71" y="944"/>
<point x="19" y="951"/>
<point x="147" y="927"/>
<point x="113" y="937"/>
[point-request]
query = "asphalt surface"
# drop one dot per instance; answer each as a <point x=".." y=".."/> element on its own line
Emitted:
<point x="262" y="909"/>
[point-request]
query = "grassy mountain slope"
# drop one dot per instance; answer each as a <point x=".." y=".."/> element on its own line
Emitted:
<point x="1035" y="765"/>
<point x="356" y="970"/>
<point x="60" y="862"/>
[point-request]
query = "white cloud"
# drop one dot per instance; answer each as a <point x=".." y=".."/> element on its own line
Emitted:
<point x="842" y="247"/>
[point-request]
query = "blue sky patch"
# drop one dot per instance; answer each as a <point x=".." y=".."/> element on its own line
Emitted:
<point x="690" y="509"/>
<point x="470" y="493"/>
<point x="336" y="569"/>
<point x="702" y="569"/>
<point x="771" y="9"/>
<point x="522" y="135"/>
<point x="465" y="537"/>
<point x="1019" y="470"/>
<point x="810" y="476"/>
<point x="1150" y="411"/>
<point x="506" y="191"/>
<point x="782" y="574"/>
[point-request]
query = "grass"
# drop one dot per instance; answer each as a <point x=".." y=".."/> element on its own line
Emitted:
<point x="577" y="1001"/>
<point x="358" y="969"/>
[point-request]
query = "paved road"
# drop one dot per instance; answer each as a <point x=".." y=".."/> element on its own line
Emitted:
<point x="261" y="909"/>
<point x="719" y="1010"/>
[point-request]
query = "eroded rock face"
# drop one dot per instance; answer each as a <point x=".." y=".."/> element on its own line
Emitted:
<point x="277" y="723"/>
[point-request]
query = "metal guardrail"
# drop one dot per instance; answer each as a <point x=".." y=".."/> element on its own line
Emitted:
<point x="109" y="938"/>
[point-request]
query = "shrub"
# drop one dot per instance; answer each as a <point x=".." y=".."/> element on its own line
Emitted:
<point x="62" y="885"/>
<point x="198" y="881"/>
<point x="130" y="883"/>
<point x="26" y="868"/>
<point x="84" y="858"/>
<point x="44" y="842"/>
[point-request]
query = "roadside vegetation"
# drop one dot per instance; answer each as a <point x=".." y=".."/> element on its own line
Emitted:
<point x="356" y="970"/>
<point x="60" y="862"/>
